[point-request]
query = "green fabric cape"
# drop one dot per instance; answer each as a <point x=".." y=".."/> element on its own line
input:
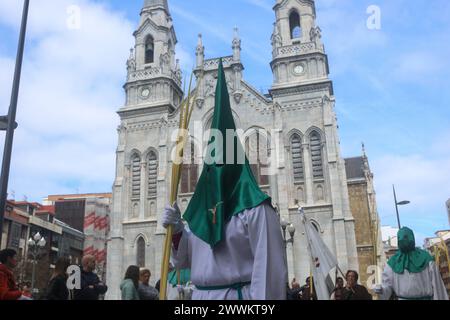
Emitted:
<point x="408" y="257"/>
<point x="224" y="189"/>
<point x="185" y="277"/>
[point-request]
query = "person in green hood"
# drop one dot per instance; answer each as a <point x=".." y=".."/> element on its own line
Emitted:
<point x="411" y="273"/>
<point x="233" y="244"/>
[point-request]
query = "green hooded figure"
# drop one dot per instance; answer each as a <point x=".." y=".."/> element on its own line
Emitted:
<point x="226" y="186"/>
<point x="408" y="257"/>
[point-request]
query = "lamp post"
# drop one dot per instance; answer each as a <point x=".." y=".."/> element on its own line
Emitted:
<point x="285" y="225"/>
<point x="8" y="123"/>
<point x="36" y="243"/>
<point x="401" y="203"/>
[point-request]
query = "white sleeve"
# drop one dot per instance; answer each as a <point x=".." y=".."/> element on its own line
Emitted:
<point x="386" y="284"/>
<point x="439" y="290"/>
<point x="180" y="257"/>
<point x="269" y="275"/>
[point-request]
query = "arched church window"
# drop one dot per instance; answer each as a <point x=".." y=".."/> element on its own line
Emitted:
<point x="140" y="261"/>
<point x="149" y="50"/>
<point x="189" y="174"/>
<point x="316" y="155"/>
<point x="297" y="157"/>
<point x="257" y="149"/>
<point x="152" y="167"/>
<point x="316" y="226"/>
<point x="294" y="22"/>
<point x="136" y="176"/>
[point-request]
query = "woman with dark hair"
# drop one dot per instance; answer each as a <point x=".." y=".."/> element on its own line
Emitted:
<point x="130" y="284"/>
<point x="57" y="287"/>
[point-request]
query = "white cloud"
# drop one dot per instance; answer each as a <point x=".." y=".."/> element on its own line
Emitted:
<point x="187" y="62"/>
<point x="6" y="77"/>
<point x="388" y="232"/>
<point x="421" y="66"/>
<point x="250" y="47"/>
<point x="71" y="87"/>
<point x="423" y="180"/>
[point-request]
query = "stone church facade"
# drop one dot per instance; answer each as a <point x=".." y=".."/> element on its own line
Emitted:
<point x="295" y="121"/>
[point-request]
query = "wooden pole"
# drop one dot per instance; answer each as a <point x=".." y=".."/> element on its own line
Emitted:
<point x="185" y="112"/>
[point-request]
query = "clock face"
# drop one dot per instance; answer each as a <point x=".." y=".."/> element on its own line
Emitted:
<point x="299" y="69"/>
<point x="145" y="93"/>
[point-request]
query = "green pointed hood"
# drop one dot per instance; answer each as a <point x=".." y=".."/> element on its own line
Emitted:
<point x="409" y="257"/>
<point x="226" y="186"/>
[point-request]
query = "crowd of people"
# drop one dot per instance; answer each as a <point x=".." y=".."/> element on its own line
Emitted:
<point x="350" y="290"/>
<point x="410" y="275"/>
<point x="135" y="285"/>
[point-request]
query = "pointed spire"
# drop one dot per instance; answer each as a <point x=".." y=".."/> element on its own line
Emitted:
<point x="200" y="52"/>
<point x="131" y="53"/>
<point x="200" y="41"/>
<point x="363" y="150"/>
<point x="236" y="45"/>
<point x="236" y="32"/>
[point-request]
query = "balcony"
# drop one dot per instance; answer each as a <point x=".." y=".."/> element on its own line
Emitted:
<point x="297" y="49"/>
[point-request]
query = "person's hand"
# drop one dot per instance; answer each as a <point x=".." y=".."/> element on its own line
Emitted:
<point x="378" y="289"/>
<point x="180" y="289"/>
<point x="188" y="291"/>
<point x="172" y="216"/>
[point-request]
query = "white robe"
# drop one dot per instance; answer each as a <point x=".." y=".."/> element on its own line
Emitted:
<point x="252" y="250"/>
<point x="173" y="294"/>
<point x="427" y="283"/>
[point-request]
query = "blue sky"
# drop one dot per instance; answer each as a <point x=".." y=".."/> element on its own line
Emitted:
<point x="391" y="87"/>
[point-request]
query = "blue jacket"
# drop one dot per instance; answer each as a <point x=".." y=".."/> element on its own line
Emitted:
<point x="86" y="293"/>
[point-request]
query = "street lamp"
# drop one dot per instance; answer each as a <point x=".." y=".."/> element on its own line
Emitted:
<point x="401" y="203"/>
<point x="36" y="243"/>
<point x="285" y="225"/>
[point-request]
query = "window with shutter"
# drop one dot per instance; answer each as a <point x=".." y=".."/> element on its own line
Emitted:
<point x="297" y="158"/>
<point x="316" y="155"/>
<point x="152" y="167"/>
<point x="136" y="177"/>
<point x="189" y="174"/>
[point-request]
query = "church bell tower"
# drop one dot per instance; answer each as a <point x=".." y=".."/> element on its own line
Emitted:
<point x="153" y="94"/>
<point x="154" y="76"/>
<point x="297" y="50"/>
<point x="303" y="97"/>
